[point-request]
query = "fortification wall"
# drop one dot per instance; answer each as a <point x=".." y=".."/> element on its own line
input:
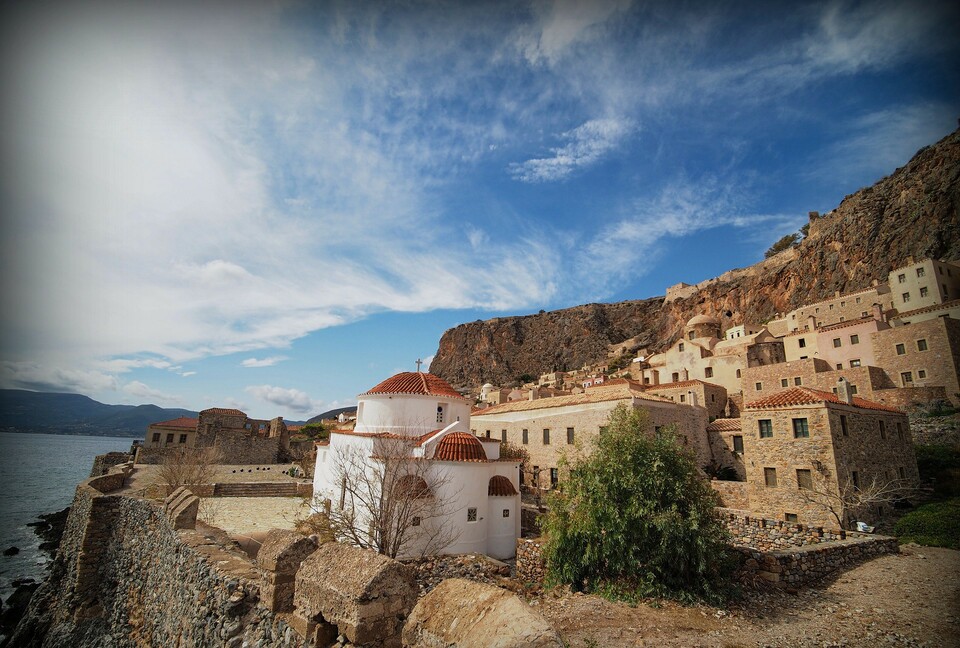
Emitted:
<point x="124" y="577"/>
<point x="103" y="463"/>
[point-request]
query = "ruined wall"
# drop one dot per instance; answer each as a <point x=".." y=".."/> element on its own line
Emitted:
<point x="802" y="565"/>
<point x="103" y="463"/>
<point x="124" y="577"/>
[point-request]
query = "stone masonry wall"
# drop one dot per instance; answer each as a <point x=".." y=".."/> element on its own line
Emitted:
<point x="788" y="568"/>
<point x="733" y="494"/>
<point x="769" y="535"/>
<point x="103" y="463"/>
<point x="938" y="357"/>
<point x="124" y="577"/>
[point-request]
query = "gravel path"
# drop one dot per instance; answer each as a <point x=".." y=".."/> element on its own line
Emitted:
<point x="910" y="599"/>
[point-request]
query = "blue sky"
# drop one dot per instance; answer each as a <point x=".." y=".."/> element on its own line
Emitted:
<point x="275" y="206"/>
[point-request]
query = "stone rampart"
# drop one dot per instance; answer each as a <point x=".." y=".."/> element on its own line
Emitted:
<point x="103" y="463"/>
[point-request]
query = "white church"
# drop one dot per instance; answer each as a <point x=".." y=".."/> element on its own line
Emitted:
<point x="412" y="454"/>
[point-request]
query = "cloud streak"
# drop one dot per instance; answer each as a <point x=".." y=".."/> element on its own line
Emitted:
<point x="585" y="145"/>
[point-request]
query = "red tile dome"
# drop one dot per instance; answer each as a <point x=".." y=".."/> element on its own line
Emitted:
<point x="415" y="382"/>
<point x="500" y="486"/>
<point x="460" y="446"/>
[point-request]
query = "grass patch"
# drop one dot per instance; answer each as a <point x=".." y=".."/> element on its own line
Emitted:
<point x="936" y="524"/>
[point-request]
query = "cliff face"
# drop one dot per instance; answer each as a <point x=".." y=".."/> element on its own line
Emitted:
<point x="911" y="213"/>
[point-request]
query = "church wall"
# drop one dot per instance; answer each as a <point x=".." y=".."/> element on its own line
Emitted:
<point x="410" y="414"/>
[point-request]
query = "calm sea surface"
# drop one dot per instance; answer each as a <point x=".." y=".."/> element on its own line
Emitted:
<point x="38" y="474"/>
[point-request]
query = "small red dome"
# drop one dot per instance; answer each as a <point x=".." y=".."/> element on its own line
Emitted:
<point x="460" y="446"/>
<point x="500" y="486"/>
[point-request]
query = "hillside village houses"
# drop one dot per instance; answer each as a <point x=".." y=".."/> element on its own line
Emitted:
<point x="840" y="370"/>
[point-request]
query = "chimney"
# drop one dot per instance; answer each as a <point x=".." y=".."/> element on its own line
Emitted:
<point x="843" y="390"/>
<point x="878" y="313"/>
<point x="686" y="375"/>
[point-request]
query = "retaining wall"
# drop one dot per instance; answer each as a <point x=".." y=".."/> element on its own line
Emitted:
<point x="768" y="535"/>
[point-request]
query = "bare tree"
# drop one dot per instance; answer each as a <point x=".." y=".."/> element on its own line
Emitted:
<point x="852" y="497"/>
<point x="184" y="466"/>
<point x="390" y="502"/>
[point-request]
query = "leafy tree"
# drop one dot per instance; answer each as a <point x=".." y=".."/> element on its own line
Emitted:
<point x="316" y="431"/>
<point x="634" y="518"/>
<point x="788" y="241"/>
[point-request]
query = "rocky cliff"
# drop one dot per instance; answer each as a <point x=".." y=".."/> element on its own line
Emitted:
<point x="911" y="213"/>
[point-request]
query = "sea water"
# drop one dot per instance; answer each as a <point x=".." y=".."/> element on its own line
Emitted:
<point x="39" y="474"/>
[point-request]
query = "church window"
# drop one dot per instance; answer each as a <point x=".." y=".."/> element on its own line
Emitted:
<point x="415" y="521"/>
<point x="343" y="492"/>
<point x="526" y="437"/>
<point x="506" y="513"/>
<point x="440" y="415"/>
<point x="471" y="514"/>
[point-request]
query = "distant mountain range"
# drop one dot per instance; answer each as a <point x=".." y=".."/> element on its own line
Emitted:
<point x="52" y="413"/>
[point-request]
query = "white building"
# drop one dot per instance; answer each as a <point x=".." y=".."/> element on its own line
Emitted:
<point x="412" y="442"/>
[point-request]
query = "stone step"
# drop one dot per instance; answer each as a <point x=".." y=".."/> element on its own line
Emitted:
<point x="265" y="489"/>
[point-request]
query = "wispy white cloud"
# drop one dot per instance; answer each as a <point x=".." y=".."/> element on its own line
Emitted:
<point x="141" y="390"/>
<point x="585" y="145"/>
<point x="561" y="24"/>
<point x="291" y="399"/>
<point x="43" y="377"/>
<point x="187" y="374"/>
<point x="263" y="362"/>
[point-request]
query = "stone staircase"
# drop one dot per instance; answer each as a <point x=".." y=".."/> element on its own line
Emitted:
<point x="256" y="489"/>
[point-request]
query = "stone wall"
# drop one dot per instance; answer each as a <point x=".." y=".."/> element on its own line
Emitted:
<point x="733" y="494"/>
<point x="800" y="566"/>
<point x="910" y="397"/>
<point x="937" y="357"/>
<point x="768" y="535"/>
<point x="103" y="463"/>
<point x="530" y="564"/>
<point x="791" y="567"/>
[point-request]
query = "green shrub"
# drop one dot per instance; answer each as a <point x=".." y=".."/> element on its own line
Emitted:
<point x="934" y="525"/>
<point x="634" y="519"/>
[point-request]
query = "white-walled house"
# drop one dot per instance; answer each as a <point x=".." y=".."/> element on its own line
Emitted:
<point x="419" y="426"/>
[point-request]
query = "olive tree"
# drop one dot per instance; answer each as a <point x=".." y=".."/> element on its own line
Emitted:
<point x="634" y="517"/>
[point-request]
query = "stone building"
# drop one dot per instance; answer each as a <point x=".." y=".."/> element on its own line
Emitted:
<point x="806" y="451"/>
<point x="180" y="431"/>
<point x="237" y="438"/>
<point x="702" y="355"/>
<point x="412" y="441"/>
<point x="841" y="308"/>
<point x="925" y="283"/>
<point x="922" y="355"/>
<point x="694" y="392"/>
<point x="549" y="428"/>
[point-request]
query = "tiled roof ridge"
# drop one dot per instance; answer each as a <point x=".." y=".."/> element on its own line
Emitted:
<point x="928" y="309"/>
<point x="460" y="446"/>
<point x="417" y="383"/>
<point x="180" y="421"/>
<point x="809" y="396"/>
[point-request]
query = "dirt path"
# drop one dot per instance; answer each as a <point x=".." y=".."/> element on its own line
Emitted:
<point x="910" y="599"/>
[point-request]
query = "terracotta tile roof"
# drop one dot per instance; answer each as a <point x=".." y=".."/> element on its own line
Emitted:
<point x="460" y="446"/>
<point x="677" y="385"/>
<point x="929" y="309"/>
<point x="846" y="323"/>
<point x="223" y="410"/>
<point x="593" y="395"/>
<point x="181" y="422"/>
<point x="807" y="396"/>
<point x="415" y="382"/>
<point x="724" y="425"/>
<point x="413" y="486"/>
<point x="500" y="486"/>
